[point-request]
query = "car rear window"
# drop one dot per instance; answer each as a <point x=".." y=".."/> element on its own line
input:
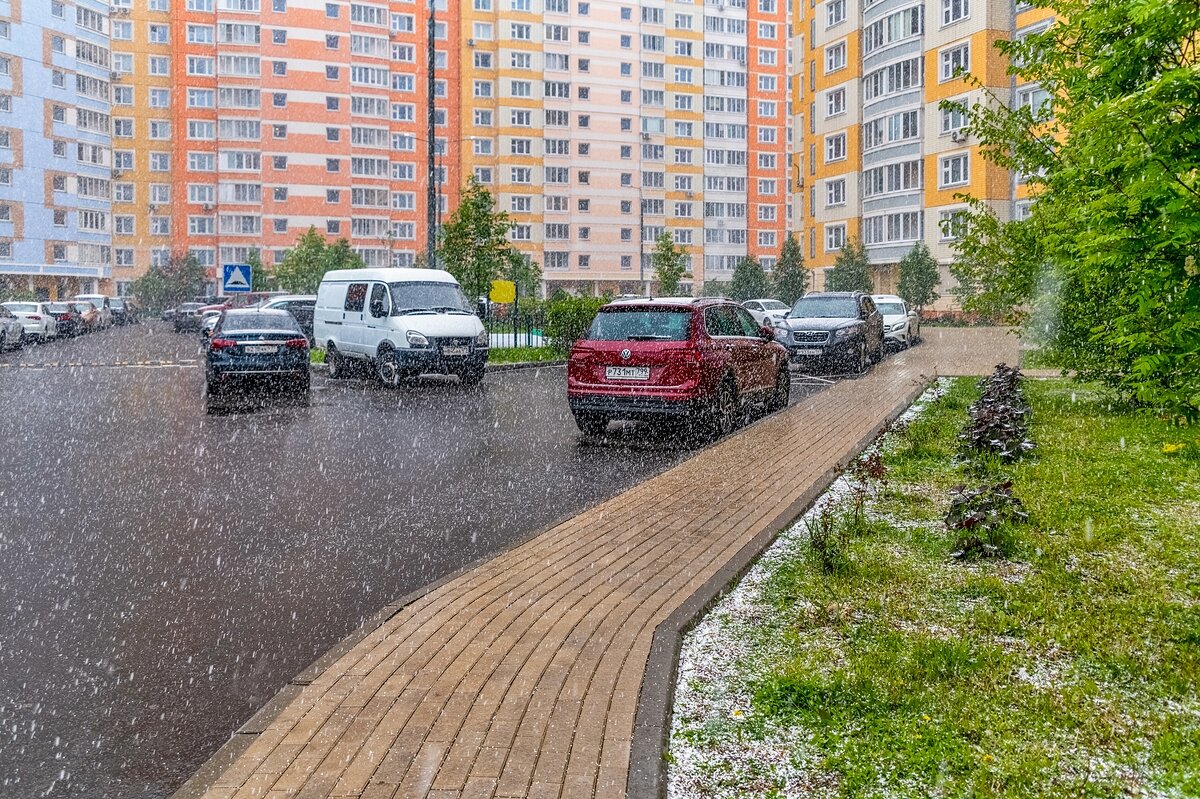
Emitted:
<point x="825" y="307"/>
<point x="59" y="307"/>
<point x="21" y="307"/>
<point x="641" y="324"/>
<point x="235" y="323"/>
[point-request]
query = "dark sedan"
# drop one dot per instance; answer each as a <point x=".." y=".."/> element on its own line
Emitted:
<point x="255" y="346"/>
<point x="841" y="328"/>
<point x="70" y="322"/>
<point x="187" y="316"/>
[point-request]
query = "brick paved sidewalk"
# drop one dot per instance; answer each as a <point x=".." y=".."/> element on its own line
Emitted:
<point x="539" y="673"/>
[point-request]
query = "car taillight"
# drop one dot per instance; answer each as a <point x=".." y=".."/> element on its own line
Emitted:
<point x="222" y="343"/>
<point x="35" y="317"/>
<point x="296" y="343"/>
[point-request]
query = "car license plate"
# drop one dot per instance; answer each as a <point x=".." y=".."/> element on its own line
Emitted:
<point x="257" y="349"/>
<point x="456" y="350"/>
<point x="810" y="352"/>
<point x="627" y="372"/>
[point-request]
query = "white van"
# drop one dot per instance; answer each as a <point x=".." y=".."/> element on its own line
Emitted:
<point x="404" y="322"/>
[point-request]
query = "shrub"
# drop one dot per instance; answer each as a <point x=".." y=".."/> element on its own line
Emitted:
<point x="983" y="516"/>
<point x="999" y="419"/>
<point x="568" y="319"/>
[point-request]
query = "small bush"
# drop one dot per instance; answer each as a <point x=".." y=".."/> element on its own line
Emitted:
<point x="568" y="319"/>
<point x="999" y="419"/>
<point x="984" y="517"/>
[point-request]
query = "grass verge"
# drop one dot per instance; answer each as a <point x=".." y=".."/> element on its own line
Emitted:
<point x="1068" y="669"/>
<point x="523" y="355"/>
<point x="316" y="355"/>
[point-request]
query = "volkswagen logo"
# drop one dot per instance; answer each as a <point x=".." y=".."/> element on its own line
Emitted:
<point x="625" y="353"/>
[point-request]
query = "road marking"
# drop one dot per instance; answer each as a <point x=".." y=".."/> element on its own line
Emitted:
<point x="186" y="363"/>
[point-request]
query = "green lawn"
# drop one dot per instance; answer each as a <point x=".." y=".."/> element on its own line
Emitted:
<point x="523" y="355"/>
<point x="1068" y="669"/>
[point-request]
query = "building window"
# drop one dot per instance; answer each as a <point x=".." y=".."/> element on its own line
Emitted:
<point x="835" y="57"/>
<point x="835" y="192"/>
<point x="835" y="237"/>
<point x="954" y="118"/>
<point x="952" y="224"/>
<point x="954" y="10"/>
<point x="835" y="147"/>
<point x="835" y="12"/>
<point x="953" y="59"/>
<point x="954" y="170"/>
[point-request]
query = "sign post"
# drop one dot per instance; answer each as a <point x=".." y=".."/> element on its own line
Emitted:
<point x="236" y="278"/>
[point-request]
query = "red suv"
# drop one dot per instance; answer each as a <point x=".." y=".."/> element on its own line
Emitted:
<point x="703" y="361"/>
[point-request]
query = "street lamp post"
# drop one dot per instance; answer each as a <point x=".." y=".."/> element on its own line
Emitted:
<point x="431" y="212"/>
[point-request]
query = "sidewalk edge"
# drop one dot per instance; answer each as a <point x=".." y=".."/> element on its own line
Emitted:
<point x="647" y="764"/>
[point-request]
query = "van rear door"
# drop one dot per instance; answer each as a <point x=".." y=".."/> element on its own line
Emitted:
<point x="329" y="315"/>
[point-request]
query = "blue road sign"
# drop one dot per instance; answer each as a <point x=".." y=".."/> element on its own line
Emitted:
<point x="236" y="278"/>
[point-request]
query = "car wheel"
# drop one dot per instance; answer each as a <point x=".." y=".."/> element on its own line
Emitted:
<point x="724" y="411"/>
<point x="335" y="363"/>
<point x="782" y="391"/>
<point x="861" y="361"/>
<point x="3" y="341"/>
<point x="591" y="424"/>
<point x="388" y="370"/>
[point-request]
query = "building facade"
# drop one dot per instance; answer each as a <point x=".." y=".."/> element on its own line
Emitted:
<point x="884" y="162"/>
<point x="225" y="128"/>
<point x="55" y="147"/>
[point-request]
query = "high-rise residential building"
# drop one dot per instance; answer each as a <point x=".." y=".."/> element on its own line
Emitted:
<point x="226" y="127"/>
<point x="55" y="221"/>
<point x="883" y="162"/>
<point x="600" y="124"/>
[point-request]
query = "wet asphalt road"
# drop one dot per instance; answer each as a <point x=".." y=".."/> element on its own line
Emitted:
<point x="164" y="572"/>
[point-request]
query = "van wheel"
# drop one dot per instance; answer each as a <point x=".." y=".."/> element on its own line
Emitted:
<point x="338" y="369"/>
<point x="388" y="370"/>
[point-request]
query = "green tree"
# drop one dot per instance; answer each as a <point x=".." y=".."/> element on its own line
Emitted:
<point x="851" y="270"/>
<point x="474" y="245"/>
<point x="791" y="278"/>
<point x="261" y="279"/>
<point x="180" y="279"/>
<point x="918" y="277"/>
<point x="670" y="265"/>
<point x="1105" y="265"/>
<point x="749" y="281"/>
<point x="305" y="264"/>
<point x="715" y="288"/>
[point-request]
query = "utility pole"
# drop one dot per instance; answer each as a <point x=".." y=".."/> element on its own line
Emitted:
<point x="431" y="213"/>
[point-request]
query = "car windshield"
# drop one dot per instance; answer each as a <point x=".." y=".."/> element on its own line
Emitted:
<point x="641" y="324"/>
<point x="773" y="305"/>
<point x="21" y="307"/>
<point x="891" y="308"/>
<point x="412" y="297"/>
<point x="242" y="322"/>
<point x="824" y="308"/>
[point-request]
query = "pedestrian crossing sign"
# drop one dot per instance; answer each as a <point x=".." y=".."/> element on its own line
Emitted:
<point x="236" y="278"/>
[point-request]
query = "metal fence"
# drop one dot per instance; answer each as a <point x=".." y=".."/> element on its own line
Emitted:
<point x="507" y="328"/>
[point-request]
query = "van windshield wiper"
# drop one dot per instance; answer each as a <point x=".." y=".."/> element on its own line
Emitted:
<point x="404" y="311"/>
<point x="450" y="309"/>
<point x="648" y="337"/>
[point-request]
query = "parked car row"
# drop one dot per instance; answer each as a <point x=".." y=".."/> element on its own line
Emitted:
<point x="710" y="362"/>
<point x="203" y="316"/>
<point x="40" y="321"/>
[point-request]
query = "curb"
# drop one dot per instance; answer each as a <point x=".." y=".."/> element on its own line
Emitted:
<point x="656" y="696"/>
<point x="499" y="367"/>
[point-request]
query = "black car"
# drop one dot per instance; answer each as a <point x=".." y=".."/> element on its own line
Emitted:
<point x="301" y="306"/>
<point x="187" y="316"/>
<point x="254" y="345"/>
<point x="68" y="319"/>
<point x="841" y="328"/>
<point x="124" y="312"/>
